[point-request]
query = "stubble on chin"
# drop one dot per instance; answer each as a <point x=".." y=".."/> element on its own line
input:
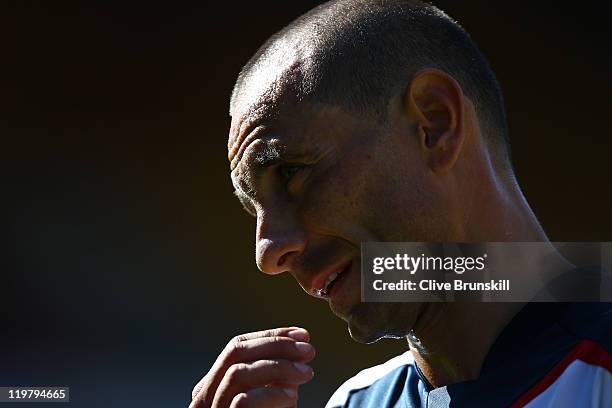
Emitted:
<point x="370" y="322"/>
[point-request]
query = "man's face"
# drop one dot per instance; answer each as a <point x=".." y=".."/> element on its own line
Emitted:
<point x="321" y="181"/>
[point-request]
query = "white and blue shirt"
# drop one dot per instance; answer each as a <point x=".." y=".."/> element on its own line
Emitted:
<point x="550" y="355"/>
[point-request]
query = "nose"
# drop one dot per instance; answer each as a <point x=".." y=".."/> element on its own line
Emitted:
<point x="279" y="241"/>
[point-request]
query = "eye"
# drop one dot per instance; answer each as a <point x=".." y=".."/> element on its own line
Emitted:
<point x="293" y="176"/>
<point x="288" y="171"/>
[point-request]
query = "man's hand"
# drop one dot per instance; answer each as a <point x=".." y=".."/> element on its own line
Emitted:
<point x="261" y="369"/>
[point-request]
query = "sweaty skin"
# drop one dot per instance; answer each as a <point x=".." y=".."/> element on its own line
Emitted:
<point x="320" y="180"/>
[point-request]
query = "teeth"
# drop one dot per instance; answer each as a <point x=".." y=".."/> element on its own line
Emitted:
<point x="329" y="280"/>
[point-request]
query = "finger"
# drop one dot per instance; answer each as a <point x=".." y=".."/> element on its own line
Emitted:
<point x="284" y="385"/>
<point x="294" y="332"/>
<point x="266" y="398"/>
<point x="241" y="378"/>
<point x="266" y="348"/>
<point x="244" y="349"/>
<point x="289" y="389"/>
<point x="281" y="385"/>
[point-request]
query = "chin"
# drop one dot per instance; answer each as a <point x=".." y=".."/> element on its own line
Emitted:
<point x="361" y="339"/>
<point x="364" y="335"/>
<point x="370" y="322"/>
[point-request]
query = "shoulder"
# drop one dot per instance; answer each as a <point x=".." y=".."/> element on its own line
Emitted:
<point x="368" y="378"/>
<point x="591" y="321"/>
<point x="583" y="374"/>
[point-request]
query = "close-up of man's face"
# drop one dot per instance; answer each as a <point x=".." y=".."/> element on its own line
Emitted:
<point x="321" y="180"/>
<point x="330" y="147"/>
<point x="319" y="203"/>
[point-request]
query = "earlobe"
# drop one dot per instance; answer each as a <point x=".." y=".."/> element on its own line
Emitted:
<point x="436" y="102"/>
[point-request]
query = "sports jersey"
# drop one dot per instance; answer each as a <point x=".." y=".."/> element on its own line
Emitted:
<point x="550" y="355"/>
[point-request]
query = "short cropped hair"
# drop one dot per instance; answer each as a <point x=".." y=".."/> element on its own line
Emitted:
<point x="359" y="54"/>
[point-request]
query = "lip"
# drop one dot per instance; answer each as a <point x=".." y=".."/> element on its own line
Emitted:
<point x="339" y="281"/>
<point x="318" y="283"/>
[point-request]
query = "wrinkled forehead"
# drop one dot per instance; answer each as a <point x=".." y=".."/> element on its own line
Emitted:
<point x="270" y="84"/>
<point x="267" y="112"/>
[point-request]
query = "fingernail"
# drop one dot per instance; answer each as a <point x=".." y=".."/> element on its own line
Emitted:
<point x="301" y="367"/>
<point x="303" y="348"/>
<point x="290" y="392"/>
<point x="298" y="334"/>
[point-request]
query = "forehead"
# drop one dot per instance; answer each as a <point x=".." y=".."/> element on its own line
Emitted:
<point x="298" y="133"/>
<point x="294" y="135"/>
<point x="253" y="120"/>
<point x="266" y="93"/>
<point x="294" y="124"/>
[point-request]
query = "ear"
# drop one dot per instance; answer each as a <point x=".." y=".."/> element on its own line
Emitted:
<point x="436" y="102"/>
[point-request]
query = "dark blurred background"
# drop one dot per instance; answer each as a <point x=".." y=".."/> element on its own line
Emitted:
<point x="128" y="263"/>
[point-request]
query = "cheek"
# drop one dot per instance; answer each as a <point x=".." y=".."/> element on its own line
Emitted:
<point x="391" y="198"/>
<point x="358" y="197"/>
<point x="336" y="199"/>
<point x="377" y="194"/>
<point x="401" y="200"/>
<point x="399" y="207"/>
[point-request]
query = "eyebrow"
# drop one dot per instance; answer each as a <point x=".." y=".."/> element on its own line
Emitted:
<point x="269" y="156"/>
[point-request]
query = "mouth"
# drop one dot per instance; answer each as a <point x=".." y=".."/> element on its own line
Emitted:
<point x="325" y="288"/>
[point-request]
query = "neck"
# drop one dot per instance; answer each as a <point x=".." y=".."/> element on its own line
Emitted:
<point x="449" y="343"/>
<point x="446" y="359"/>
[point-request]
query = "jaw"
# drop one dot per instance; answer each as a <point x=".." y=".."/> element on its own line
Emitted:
<point x="370" y="322"/>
